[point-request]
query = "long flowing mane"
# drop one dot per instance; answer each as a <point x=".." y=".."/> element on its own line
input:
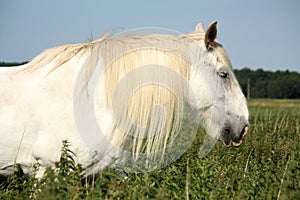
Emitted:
<point x="154" y="111"/>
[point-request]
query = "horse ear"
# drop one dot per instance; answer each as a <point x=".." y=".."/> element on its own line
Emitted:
<point x="199" y="28"/>
<point x="210" y="35"/>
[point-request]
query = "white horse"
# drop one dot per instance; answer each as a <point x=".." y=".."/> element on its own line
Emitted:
<point x="116" y="95"/>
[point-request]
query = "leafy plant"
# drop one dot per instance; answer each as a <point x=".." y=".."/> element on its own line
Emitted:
<point x="265" y="166"/>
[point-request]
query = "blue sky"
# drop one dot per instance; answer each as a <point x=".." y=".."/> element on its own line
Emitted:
<point x="255" y="33"/>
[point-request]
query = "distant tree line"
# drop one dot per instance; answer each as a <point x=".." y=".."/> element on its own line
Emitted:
<point x="267" y="84"/>
<point x="262" y="84"/>
<point x="11" y="64"/>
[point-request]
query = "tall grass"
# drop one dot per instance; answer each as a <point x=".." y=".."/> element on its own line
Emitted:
<point x="265" y="166"/>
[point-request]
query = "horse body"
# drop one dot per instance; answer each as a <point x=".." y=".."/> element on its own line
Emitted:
<point x="29" y="107"/>
<point x="37" y="100"/>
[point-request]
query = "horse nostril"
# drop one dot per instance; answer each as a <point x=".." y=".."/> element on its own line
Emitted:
<point x="244" y="131"/>
<point x="238" y="141"/>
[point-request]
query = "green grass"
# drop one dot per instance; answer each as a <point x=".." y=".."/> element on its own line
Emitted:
<point x="265" y="166"/>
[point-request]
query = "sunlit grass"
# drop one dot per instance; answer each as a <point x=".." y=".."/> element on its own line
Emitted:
<point x="275" y="103"/>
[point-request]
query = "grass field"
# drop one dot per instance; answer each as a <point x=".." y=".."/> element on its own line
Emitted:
<point x="265" y="166"/>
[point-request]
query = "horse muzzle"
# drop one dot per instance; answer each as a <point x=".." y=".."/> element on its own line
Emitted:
<point x="234" y="136"/>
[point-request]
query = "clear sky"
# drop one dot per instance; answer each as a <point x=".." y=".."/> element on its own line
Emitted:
<point x="256" y="33"/>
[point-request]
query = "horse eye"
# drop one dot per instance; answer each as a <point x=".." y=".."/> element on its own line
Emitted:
<point x="223" y="74"/>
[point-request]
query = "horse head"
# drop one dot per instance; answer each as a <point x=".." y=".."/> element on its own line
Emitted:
<point x="218" y="96"/>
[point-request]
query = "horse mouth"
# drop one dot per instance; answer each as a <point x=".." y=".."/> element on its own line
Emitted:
<point x="227" y="138"/>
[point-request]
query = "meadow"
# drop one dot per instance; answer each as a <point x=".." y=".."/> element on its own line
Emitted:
<point x="265" y="166"/>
